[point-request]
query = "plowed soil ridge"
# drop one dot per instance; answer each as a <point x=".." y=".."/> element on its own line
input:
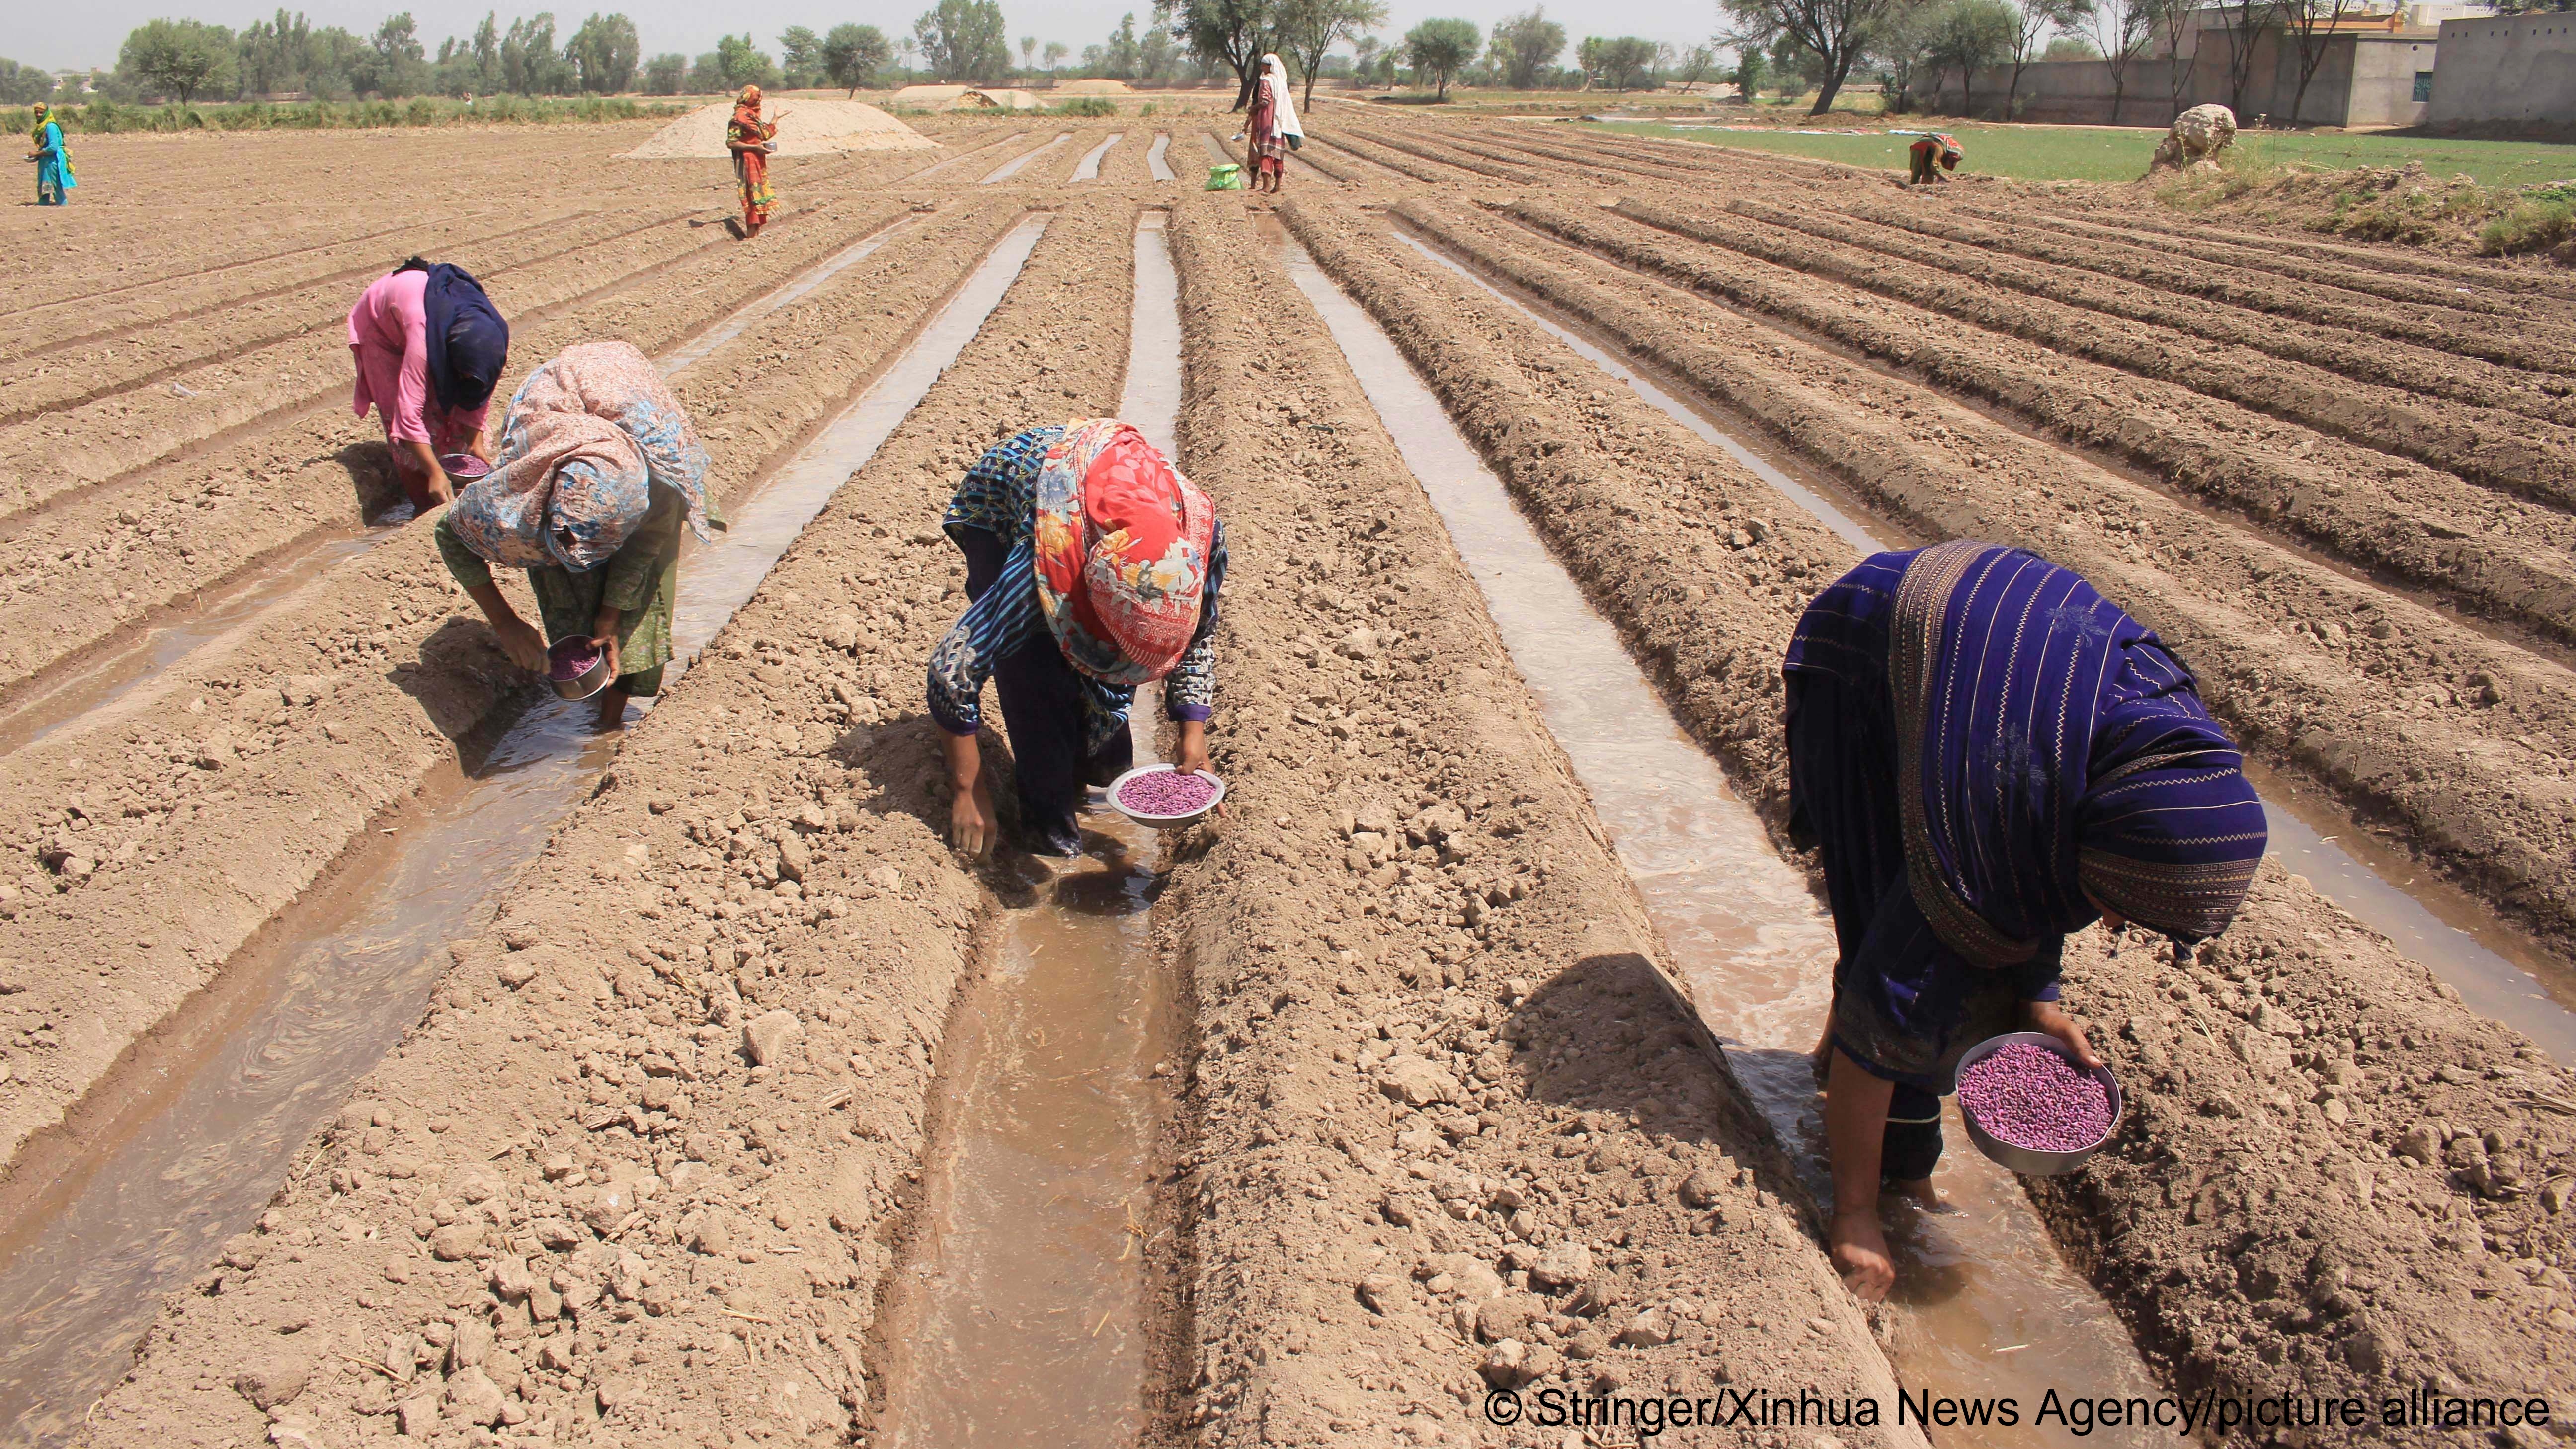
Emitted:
<point x="94" y="567"/>
<point x="2503" y="276"/>
<point x="2425" y="529"/>
<point x="1357" y="1261"/>
<point x="2258" y="1224"/>
<point x="767" y="866"/>
<point x="2340" y="350"/>
<point x="2506" y="451"/>
<point x="2436" y="299"/>
<point x="210" y="801"/>
<point x="2453" y="768"/>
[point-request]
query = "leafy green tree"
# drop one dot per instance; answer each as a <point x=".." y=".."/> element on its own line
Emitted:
<point x="1309" y="29"/>
<point x="530" y="65"/>
<point x="179" y="58"/>
<point x="23" y="85"/>
<point x="706" y="74"/>
<point x="2033" y="21"/>
<point x="2123" y="27"/>
<point x="1524" y="45"/>
<point x="1968" y="35"/>
<point x="1233" y="33"/>
<point x="1752" y="69"/>
<point x="1618" y="63"/>
<point x="1158" y="56"/>
<point x="604" y="52"/>
<point x="664" y="74"/>
<point x="800" y="57"/>
<point x="1439" y="48"/>
<point x="853" y="54"/>
<point x="393" y="64"/>
<point x="1695" y="64"/>
<point x="1055" y="52"/>
<point x="743" y="63"/>
<point x="1836" y="31"/>
<point x="963" y="41"/>
<point x="1118" y="57"/>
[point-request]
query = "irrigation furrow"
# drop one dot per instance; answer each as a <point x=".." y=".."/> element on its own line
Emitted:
<point x="60" y="453"/>
<point x="792" y="730"/>
<point x="99" y="567"/>
<point x="2396" y="709"/>
<point x="1348" y="1254"/>
<point x="332" y="710"/>
<point x="2199" y="1222"/>
<point x="1410" y="168"/>
<point x="1459" y="158"/>
<point x="2426" y="530"/>
<point x="225" y="331"/>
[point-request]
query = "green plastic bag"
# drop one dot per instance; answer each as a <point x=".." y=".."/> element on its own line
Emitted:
<point x="1228" y="177"/>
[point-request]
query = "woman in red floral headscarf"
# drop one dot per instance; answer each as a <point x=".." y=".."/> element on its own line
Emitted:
<point x="1092" y="566"/>
<point x="751" y="139"/>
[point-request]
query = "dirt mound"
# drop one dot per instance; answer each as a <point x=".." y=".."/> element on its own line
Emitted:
<point x="964" y="98"/>
<point x="1095" y="88"/>
<point x="805" y="128"/>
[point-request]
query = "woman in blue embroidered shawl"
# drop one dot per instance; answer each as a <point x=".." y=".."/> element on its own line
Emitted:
<point x="1989" y="755"/>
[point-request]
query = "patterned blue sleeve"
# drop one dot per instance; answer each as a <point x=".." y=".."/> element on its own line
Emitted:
<point x="1190" y="690"/>
<point x="990" y="629"/>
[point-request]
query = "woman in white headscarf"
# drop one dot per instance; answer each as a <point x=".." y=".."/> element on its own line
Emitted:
<point x="1273" y="130"/>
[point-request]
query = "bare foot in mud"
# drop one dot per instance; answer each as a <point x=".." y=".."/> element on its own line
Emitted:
<point x="1860" y="1255"/>
<point x="1920" y="1192"/>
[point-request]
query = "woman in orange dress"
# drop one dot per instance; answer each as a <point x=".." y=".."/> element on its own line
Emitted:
<point x="751" y="139"/>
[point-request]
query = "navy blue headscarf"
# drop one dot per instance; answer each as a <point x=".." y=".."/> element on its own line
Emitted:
<point x="2047" y="746"/>
<point x="469" y="343"/>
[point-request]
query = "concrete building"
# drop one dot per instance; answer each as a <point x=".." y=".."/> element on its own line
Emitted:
<point x="2506" y="69"/>
<point x="2372" y="70"/>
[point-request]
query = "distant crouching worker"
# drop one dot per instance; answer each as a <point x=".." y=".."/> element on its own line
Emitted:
<point x="1092" y="566"/>
<point x="598" y="470"/>
<point x="1989" y="755"/>
<point x="429" y="347"/>
<point x="1933" y="155"/>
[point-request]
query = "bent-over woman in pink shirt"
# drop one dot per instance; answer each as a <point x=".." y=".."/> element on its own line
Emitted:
<point x="429" y="347"/>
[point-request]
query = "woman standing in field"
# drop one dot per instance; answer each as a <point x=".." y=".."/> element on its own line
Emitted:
<point x="751" y="139"/>
<point x="1092" y="566"/>
<point x="1272" y="128"/>
<point x="54" y="180"/>
<point x="599" y="468"/>
<point x="1990" y="755"/>
<point x="429" y="347"/>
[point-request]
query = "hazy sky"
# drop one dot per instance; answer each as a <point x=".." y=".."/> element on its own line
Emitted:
<point x="87" y="33"/>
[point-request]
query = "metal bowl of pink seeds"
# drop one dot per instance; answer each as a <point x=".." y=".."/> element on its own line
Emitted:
<point x="2032" y="1107"/>
<point x="1159" y="797"/>
<point x="463" y="467"/>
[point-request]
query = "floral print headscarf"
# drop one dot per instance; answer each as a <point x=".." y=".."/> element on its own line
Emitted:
<point x="1122" y="546"/>
<point x="588" y="435"/>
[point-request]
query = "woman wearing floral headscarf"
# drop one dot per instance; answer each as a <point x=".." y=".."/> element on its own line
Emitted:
<point x="598" y="469"/>
<point x="1092" y="566"/>
<point x="53" y="160"/>
<point x="751" y="139"/>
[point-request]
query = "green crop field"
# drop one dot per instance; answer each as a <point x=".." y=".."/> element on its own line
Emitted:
<point x="2090" y="153"/>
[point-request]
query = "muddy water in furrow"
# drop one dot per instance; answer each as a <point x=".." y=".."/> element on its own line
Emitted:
<point x="1088" y="168"/>
<point x="1154" y="161"/>
<point x="94" y="684"/>
<point x="202" y="1131"/>
<point x="1992" y="1309"/>
<point x="2496" y="970"/>
<point x="1021" y="162"/>
<point x="1028" y="1293"/>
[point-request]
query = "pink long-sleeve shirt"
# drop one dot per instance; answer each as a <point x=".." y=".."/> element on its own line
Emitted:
<point x="389" y="337"/>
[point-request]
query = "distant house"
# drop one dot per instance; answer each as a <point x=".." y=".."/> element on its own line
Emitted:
<point x="2373" y="68"/>
<point x="2506" y="69"/>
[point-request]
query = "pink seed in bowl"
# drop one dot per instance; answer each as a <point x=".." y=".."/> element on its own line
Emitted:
<point x="2028" y="1096"/>
<point x="1166" y="792"/>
